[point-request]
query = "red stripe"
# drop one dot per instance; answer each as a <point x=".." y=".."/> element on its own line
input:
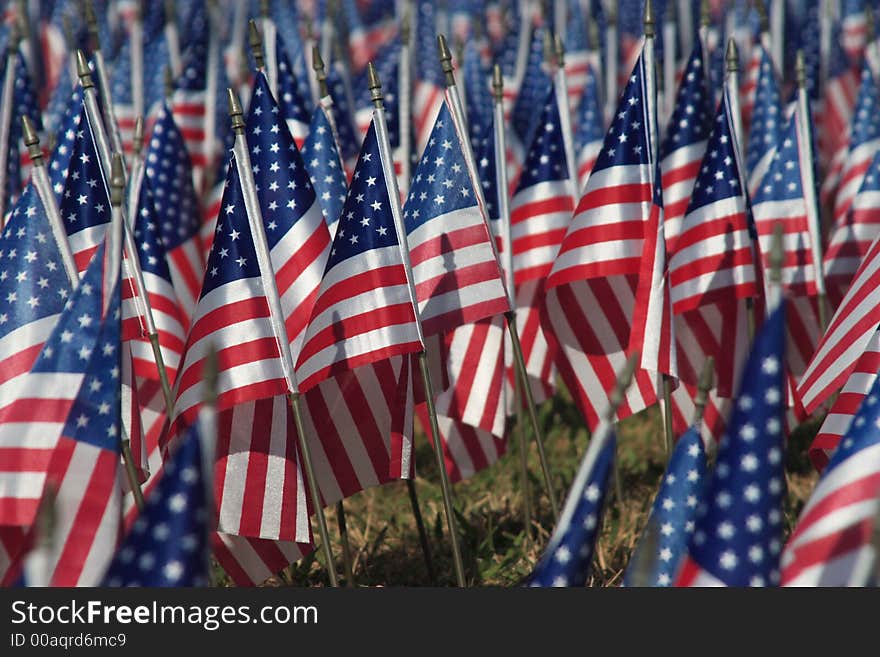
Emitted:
<point x="448" y="242"/>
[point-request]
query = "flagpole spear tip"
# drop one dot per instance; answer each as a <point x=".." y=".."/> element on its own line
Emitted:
<point x="14" y="38"/>
<point x="405" y="25"/>
<point x="732" y="56"/>
<point x="264" y="8"/>
<point x="169" y="82"/>
<point x="446" y="60"/>
<point x="83" y="71"/>
<point x="761" y="8"/>
<point x="32" y="141"/>
<point x="704" y="386"/>
<point x="256" y="43"/>
<point x="549" y="55"/>
<point x="91" y="19"/>
<point x="67" y="30"/>
<point x="209" y="375"/>
<point x="869" y="24"/>
<point x="705" y="14"/>
<point x="649" y="19"/>
<point x="497" y="83"/>
<point x="560" y="51"/>
<point x="320" y="73"/>
<point x="138" y="138"/>
<point x="374" y="85"/>
<point x="236" y="114"/>
<point x="800" y="67"/>
<point x="624" y="378"/>
<point x="777" y="254"/>
<point x="117" y="180"/>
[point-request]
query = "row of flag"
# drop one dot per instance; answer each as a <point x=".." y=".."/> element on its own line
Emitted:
<point x="324" y="248"/>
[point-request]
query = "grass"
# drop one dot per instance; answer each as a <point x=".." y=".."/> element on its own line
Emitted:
<point x="496" y="552"/>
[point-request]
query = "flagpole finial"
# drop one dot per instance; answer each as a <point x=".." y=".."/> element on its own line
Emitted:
<point x="869" y="23"/>
<point x="209" y="376"/>
<point x="92" y="23"/>
<point x="497" y="83"/>
<point x="67" y="30"/>
<point x="593" y="31"/>
<point x="320" y="73"/>
<point x="800" y="67"/>
<point x="117" y="180"/>
<point x="236" y="114"/>
<point x="705" y="14"/>
<point x="374" y="85"/>
<point x="764" y="19"/>
<point x="559" y="47"/>
<point x="777" y="254"/>
<point x="549" y="54"/>
<point x="256" y="43"/>
<point x="169" y="82"/>
<point x="405" y="25"/>
<point x="32" y="141"/>
<point x="138" y="138"/>
<point x="624" y="378"/>
<point x="649" y="19"/>
<point x="14" y="39"/>
<point x="83" y="71"/>
<point x="704" y="386"/>
<point x="170" y="11"/>
<point x="732" y="56"/>
<point x="264" y="8"/>
<point x="446" y="60"/>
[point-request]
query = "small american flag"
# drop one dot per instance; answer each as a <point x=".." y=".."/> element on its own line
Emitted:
<point x="854" y="26"/>
<point x="767" y="121"/>
<point x="685" y="143"/>
<point x="168" y="168"/>
<point x="590" y="129"/>
<point x="77" y="375"/>
<point x="59" y="162"/>
<point x="189" y="104"/>
<point x="569" y="554"/>
<point x="291" y="101"/>
<point x="342" y="110"/>
<point x="168" y="543"/>
<point x="251" y="561"/>
<point x="33" y="291"/>
<point x="455" y="270"/>
<point x="673" y="515"/>
<point x="363" y="312"/>
<point x="577" y="53"/>
<point x="24" y="103"/>
<point x="833" y="541"/>
<point x="428" y="79"/>
<point x="738" y="535"/>
<point x="324" y="164"/>
<point x="122" y="91"/>
<point x="533" y="91"/>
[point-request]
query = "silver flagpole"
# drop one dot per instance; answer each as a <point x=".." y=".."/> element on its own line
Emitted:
<point x="137" y="63"/>
<point x="6" y="115"/>
<point x="172" y="36"/>
<point x="106" y="96"/>
<point x="404" y="97"/>
<point x="805" y="151"/>
<point x="461" y="127"/>
<point x="507" y="267"/>
<point x="273" y="298"/>
<point x="394" y="198"/>
<point x="611" y="64"/>
<point x="104" y="152"/>
<point x="561" y="90"/>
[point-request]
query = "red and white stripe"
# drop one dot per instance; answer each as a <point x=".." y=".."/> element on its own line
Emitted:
<point x="679" y="172"/>
<point x="834" y="128"/>
<point x="426" y="102"/>
<point x="849" y="331"/>
<point x="833" y="543"/>
<point x="586" y="158"/>
<point x="748" y="90"/>
<point x="189" y="110"/>
<point x="854" y="35"/>
<point x="691" y="574"/>
<point x="539" y="215"/>
<point x="251" y="561"/>
<point x="577" y="67"/>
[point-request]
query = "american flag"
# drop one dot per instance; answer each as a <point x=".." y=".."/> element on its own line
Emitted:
<point x="590" y="128"/>
<point x="833" y="542"/>
<point x="84" y="204"/>
<point x="168" y="543"/>
<point x="767" y="122"/>
<point x="169" y="171"/>
<point x="854" y="27"/>
<point x="838" y="102"/>
<point x="577" y="53"/>
<point x="251" y="561"/>
<point x="858" y="384"/>
<point x="569" y="554"/>
<point x="59" y="162"/>
<point x="428" y="80"/>
<point x="24" y="103"/>
<point x="534" y="87"/>
<point x="673" y="515"/>
<point x="592" y="288"/>
<point x="779" y="199"/>
<point x="456" y="273"/>
<point x="122" y="91"/>
<point x="685" y="143"/>
<point x="363" y="312"/>
<point x="864" y="140"/>
<point x="850" y="330"/>
<point x="323" y="161"/>
<point x="189" y="103"/>
<point x="852" y="237"/>
<point x="342" y="110"/>
<point x="33" y="290"/>
<point x="257" y="463"/>
<point x="76" y="378"/>
<point x="738" y="536"/>
<point x="291" y="101"/>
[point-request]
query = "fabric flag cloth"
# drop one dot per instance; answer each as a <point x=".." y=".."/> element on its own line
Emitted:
<point x="456" y="273"/>
<point x="59" y="162"/>
<point x="712" y="266"/>
<point x="189" y="100"/>
<point x="590" y="128"/>
<point x="738" y="536"/>
<point x="767" y="121"/>
<point x="76" y="379"/>
<point x="569" y="554"/>
<point x="251" y="561"/>
<point x="684" y="144"/>
<point x="168" y="543"/>
<point x="293" y="106"/>
<point x="779" y="199"/>
<point x="323" y="161"/>
<point x="257" y="462"/>
<point x="24" y="103"/>
<point x="169" y="170"/>
<point x="429" y="82"/>
<point x="657" y="557"/>
<point x="592" y="287"/>
<point x="833" y="542"/>
<point x="838" y="101"/>
<point x="363" y="312"/>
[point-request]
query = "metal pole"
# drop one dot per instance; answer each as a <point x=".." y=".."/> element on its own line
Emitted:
<point x="394" y="199"/>
<point x="561" y="88"/>
<point x="461" y="127"/>
<point x="611" y="64"/>
<point x="404" y="109"/>
<point x="137" y="63"/>
<point x="523" y="458"/>
<point x="172" y="36"/>
<point x="6" y="116"/>
<point x="423" y="534"/>
<point x="106" y="93"/>
<point x="276" y="316"/>
<point x="347" y="569"/>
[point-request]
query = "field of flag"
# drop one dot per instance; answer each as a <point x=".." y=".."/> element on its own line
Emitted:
<point x="509" y="292"/>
